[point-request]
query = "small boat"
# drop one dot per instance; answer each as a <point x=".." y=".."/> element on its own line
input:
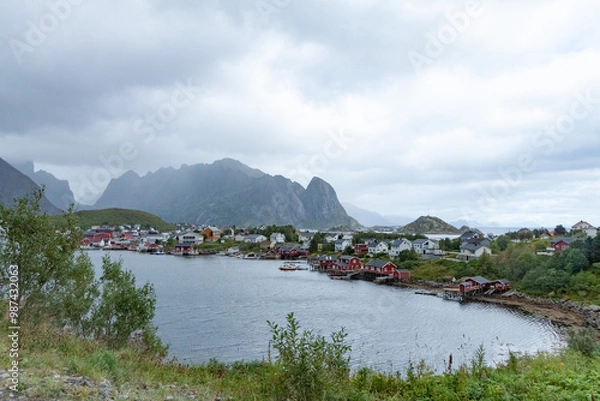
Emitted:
<point x="288" y="266"/>
<point x="159" y="253"/>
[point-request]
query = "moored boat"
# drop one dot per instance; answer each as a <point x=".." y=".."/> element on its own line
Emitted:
<point x="288" y="266"/>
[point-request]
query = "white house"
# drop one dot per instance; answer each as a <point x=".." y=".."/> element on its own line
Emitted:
<point x="305" y="236"/>
<point x="470" y="250"/>
<point x="376" y="247"/>
<point x="191" y="238"/>
<point x="398" y="246"/>
<point x="331" y="237"/>
<point x="425" y="246"/>
<point x="254" y="238"/>
<point x="278" y="238"/>
<point x="239" y="238"/>
<point x="586" y="227"/>
<point x="342" y="244"/>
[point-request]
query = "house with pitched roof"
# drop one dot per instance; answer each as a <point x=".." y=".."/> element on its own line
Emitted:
<point x="399" y="245"/>
<point x="376" y="247"/>
<point x="469" y="250"/>
<point x="586" y="227"/>
<point x="425" y="246"/>
<point x="562" y="243"/>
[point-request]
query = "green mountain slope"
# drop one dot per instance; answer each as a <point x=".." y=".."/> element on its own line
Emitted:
<point x="116" y="217"/>
<point x="429" y="225"/>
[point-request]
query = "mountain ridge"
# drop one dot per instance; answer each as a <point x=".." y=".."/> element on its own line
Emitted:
<point x="15" y="185"/>
<point x="57" y="191"/>
<point x="226" y="192"/>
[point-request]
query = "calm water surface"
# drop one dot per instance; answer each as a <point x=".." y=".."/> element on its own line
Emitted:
<point x="218" y="307"/>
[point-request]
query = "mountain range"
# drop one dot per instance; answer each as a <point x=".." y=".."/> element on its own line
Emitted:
<point x="57" y="191"/>
<point x="227" y="192"/>
<point x="15" y="185"/>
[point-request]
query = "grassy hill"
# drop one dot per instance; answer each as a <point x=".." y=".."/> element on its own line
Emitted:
<point x="429" y="225"/>
<point x="115" y="217"/>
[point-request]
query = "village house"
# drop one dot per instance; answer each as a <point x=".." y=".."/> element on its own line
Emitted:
<point x="382" y="267"/>
<point x="425" y="246"/>
<point x="474" y="284"/>
<point x="469" y="251"/>
<point x="211" y="234"/>
<point x="325" y="262"/>
<point x="474" y="248"/>
<point x="480" y="285"/>
<point x="469" y="235"/>
<point x="278" y="238"/>
<point x="361" y="249"/>
<point x="184" y="249"/>
<point x="153" y="236"/>
<point x="191" y="238"/>
<point x="376" y="247"/>
<point x="342" y="244"/>
<point x="291" y="251"/>
<point x="98" y="235"/>
<point x="305" y="236"/>
<point x="331" y="237"/>
<point x="345" y="263"/>
<point x="399" y="245"/>
<point x="254" y="238"/>
<point x="585" y="227"/>
<point x="562" y="243"/>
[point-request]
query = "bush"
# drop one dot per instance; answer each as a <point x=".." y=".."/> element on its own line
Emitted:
<point x="584" y="341"/>
<point x="58" y="286"/>
<point x="122" y="308"/>
<point x="308" y="365"/>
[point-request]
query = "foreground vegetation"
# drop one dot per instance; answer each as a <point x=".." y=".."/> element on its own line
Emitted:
<point x="58" y="365"/>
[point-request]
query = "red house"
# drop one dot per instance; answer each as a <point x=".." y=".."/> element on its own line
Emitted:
<point x="561" y="244"/>
<point x="325" y="262"/>
<point x="95" y="236"/>
<point x="380" y="266"/>
<point x="500" y="285"/>
<point x="361" y="249"/>
<point x="402" y="275"/>
<point x="184" y="248"/>
<point x="476" y="283"/>
<point x="352" y="262"/>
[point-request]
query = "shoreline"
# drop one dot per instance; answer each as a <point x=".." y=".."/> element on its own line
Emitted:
<point x="560" y="312"/>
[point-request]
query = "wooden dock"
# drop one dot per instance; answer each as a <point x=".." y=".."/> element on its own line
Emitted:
<point x="452" y="294"/>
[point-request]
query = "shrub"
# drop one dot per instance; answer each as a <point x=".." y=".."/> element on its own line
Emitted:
<point x="308" y="364"/>
<point x="584" y="341"/>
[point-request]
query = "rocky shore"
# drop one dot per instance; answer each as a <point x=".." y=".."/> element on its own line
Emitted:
<point x="562" y="312"/>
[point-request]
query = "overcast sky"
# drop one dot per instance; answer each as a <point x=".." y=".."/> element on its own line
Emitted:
<point x="478" y="110"/>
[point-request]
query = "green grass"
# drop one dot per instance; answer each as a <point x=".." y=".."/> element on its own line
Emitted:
<point x="50" y="356"/>
<point x="117" y="217"/>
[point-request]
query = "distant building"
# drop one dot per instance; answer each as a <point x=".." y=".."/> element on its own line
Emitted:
<point x="211" y="233"/>
<point x="586" y="227"/>
<point x="562" y="243"/>
<point x="278" y="238"/>
<point x="191" y="238"/>
<point x="342" y="244"/>
<point x="399" y="245"/>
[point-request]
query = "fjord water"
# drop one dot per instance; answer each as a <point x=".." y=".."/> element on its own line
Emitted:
<point x="218" y="307"/>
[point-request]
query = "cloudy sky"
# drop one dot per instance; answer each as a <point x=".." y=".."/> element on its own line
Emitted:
<point x="481" y="110"/>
